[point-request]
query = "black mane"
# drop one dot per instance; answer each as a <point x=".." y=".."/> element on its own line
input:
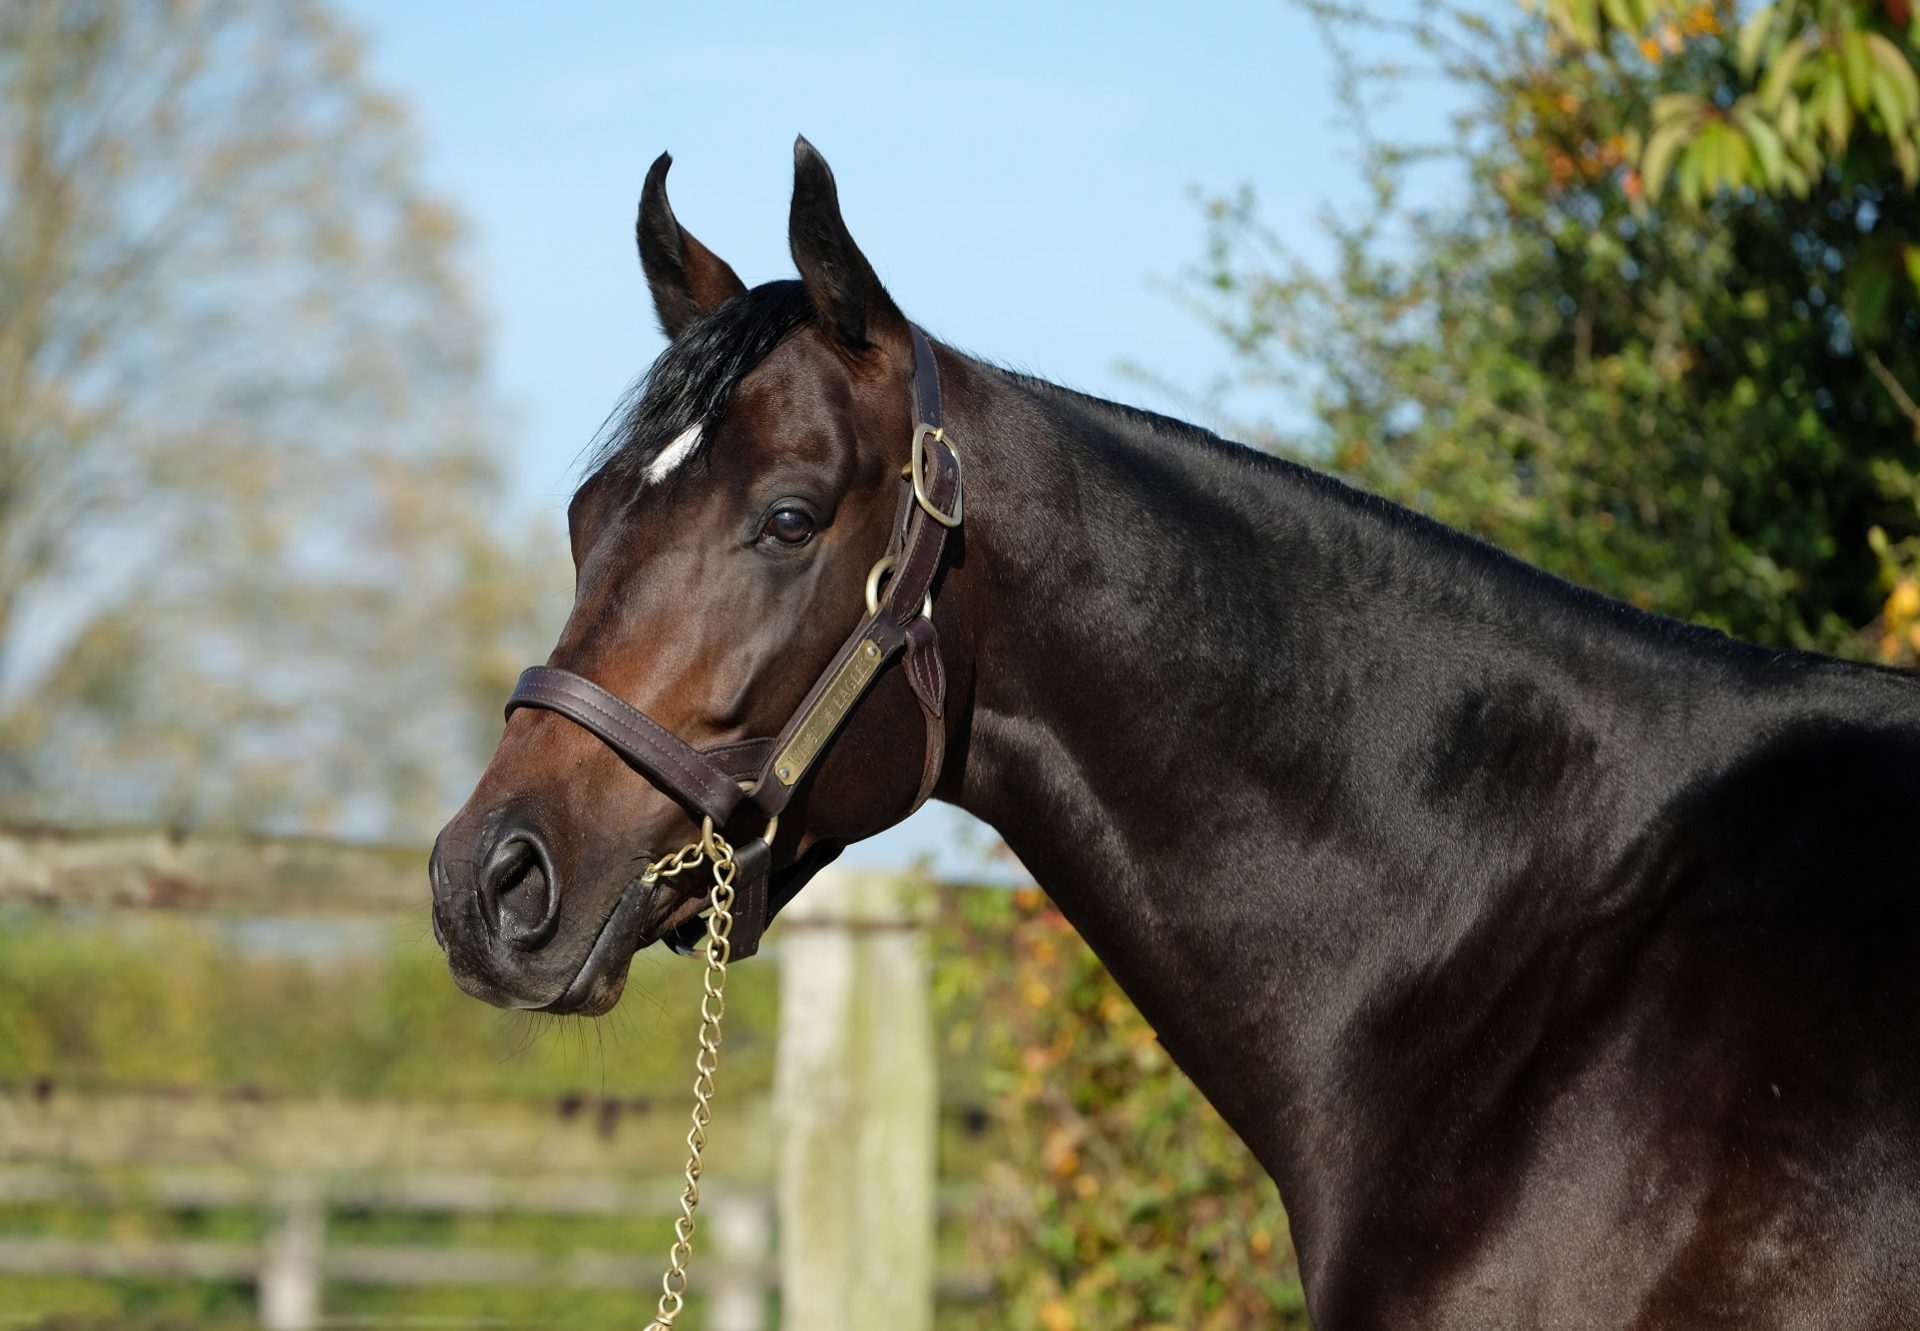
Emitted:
<point x="694" y="378"/>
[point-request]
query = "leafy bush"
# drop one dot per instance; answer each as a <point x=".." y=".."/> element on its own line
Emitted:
<point x="1119" y="1198"/>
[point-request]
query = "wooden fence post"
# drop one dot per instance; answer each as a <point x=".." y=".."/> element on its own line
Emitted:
<point x="741" y="1227"/>
<point x="289" y="1284"/>
<point x="855" y="1104"/>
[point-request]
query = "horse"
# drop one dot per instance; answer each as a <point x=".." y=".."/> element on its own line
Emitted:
<point x="1559" y="961"/>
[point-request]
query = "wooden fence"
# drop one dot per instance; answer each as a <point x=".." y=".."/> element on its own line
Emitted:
<point x="299" y="1161"/>
<point x="845" y="1180"/>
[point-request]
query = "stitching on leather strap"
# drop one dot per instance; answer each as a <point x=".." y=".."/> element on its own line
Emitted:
<point x="639" y="745"/>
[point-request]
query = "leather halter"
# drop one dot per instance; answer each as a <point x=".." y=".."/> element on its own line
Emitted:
<point x="719" y="782"/>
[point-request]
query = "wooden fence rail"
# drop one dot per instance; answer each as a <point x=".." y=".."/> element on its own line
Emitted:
<point x="525" y="1142"/>
<point x="209" y="871"/>
<point x="290" y="1267"/>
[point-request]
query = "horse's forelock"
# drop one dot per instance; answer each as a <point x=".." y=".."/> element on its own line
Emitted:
<point x="692" y="382"/>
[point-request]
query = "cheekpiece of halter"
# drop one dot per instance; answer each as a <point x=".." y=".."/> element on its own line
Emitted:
<point x="717" y="783"/>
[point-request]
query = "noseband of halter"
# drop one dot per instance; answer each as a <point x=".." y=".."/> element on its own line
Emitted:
<point x="723" y="781"/>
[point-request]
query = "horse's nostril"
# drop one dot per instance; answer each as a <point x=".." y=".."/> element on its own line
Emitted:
<point x="517" y="886"/>
<point x="437" y="880"/>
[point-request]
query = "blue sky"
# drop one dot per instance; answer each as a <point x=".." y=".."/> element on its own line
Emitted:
<point x="1021" y="176"/>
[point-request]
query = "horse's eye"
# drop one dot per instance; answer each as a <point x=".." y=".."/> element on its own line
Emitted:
<point x="789" y="526"/>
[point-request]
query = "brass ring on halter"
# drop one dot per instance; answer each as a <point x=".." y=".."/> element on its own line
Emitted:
<point x="880" y="570"/>
<point x="773" y="823"/>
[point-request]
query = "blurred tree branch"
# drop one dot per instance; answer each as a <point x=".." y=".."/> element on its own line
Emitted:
<point x="1895" y="390"/>
<point x="246" y="451"/>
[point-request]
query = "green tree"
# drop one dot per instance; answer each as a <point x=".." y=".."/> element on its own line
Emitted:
<point x="248" y="489"/>
<point x="1698" y="397"/>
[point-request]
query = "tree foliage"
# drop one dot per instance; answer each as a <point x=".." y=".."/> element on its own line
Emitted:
<point x="1811" y="72"/>
<point x="248" y="491"/>
<point x="1699" y="398"/>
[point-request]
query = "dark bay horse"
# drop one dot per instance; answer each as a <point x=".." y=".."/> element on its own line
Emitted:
<point x="1559" y="961"/>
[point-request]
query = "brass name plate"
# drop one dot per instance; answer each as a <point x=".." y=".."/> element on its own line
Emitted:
<point x="848" y="683"/>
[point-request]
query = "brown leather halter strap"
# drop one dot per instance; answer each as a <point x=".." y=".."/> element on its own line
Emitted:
<point x="717" y="781"/>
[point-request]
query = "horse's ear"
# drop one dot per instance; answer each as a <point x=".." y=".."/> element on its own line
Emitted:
<point x="687" y="278"/>
<point x="845" y="290"/>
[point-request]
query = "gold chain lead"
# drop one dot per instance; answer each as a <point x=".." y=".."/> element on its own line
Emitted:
<point x="713" y="1006"/>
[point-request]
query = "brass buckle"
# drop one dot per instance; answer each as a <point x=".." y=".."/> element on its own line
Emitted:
<point x="917" y="469"/>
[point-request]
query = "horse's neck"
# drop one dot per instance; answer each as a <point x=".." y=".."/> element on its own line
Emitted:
<point x="1296" y="764"/>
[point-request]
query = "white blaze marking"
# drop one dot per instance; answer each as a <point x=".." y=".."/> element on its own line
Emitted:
<point x="673" y="455"/>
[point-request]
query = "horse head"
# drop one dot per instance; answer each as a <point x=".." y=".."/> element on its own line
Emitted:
<point x="730" y="546"/>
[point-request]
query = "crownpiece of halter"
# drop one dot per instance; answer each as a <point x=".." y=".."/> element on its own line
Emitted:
<point x="718" y="784"/>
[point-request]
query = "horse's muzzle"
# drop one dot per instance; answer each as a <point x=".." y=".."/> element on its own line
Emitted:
<point x="497" y="912"/>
